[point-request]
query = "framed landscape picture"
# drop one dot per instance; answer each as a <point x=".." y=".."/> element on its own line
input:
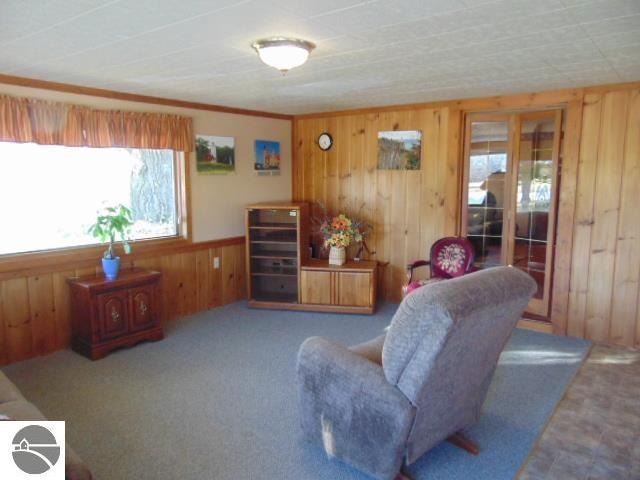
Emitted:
<point x="215" y="155"/>
<point x="267" y="157"/>
<point x="399" y="150"/>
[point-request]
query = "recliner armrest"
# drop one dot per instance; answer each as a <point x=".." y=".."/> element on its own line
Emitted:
<point x="350" y="408"/>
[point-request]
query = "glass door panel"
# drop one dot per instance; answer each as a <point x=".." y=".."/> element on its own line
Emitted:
<point x="509" y="194"/>
<point x="486" y="187"/>
<point x="537" y="157"/>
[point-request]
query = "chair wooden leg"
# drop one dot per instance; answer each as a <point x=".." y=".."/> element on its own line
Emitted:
<point x="460" y="441"/>
<point x="401" y="476"/>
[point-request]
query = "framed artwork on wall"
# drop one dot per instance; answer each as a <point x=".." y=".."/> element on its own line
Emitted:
<point x="399" y="150"/>
<point x="215" y="155"/>
<point x="267" y="157"/>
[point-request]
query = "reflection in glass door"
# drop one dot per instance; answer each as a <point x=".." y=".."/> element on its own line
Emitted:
<point x="487" y="185"/>
<point x="510" y="178"/>
<point x="537" y="148"/>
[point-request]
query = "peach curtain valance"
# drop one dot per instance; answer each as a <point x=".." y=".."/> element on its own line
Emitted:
<point x="51" y="123"/>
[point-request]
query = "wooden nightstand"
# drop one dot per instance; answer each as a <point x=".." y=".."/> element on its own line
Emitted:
<point x="110" y="314"/>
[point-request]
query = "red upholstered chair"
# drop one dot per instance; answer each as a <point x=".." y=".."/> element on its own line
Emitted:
<point x="450" y="257"/>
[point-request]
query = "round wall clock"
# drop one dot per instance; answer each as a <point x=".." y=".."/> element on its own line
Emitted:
<point x="325" y="141"/>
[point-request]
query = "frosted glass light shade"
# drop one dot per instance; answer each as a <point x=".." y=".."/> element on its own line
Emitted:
<point x="283" y="53"/>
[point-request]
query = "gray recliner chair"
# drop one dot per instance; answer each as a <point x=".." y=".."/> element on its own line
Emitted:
<point x="388" y="401"/>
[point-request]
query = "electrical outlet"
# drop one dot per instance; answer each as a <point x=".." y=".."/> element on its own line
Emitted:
<point x="216" y="262"/>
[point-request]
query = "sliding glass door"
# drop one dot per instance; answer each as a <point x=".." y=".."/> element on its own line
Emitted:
<point x="510" y="178"/>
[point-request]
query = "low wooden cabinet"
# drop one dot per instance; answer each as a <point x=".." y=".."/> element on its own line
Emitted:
<point x="110" y="314"/>
<point x="350" y="288"/>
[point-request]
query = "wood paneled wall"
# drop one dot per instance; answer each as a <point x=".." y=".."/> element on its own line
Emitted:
<point x="604" y="299"/>
<point x="597" y="261"/>
<point x="34" y="310"/>
<point x="407" y="209"/>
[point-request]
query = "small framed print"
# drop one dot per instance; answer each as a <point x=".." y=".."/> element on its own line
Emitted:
<point x="215" y="155"/>
<point x="399" y="150"/>
<point x="267" y="156"/>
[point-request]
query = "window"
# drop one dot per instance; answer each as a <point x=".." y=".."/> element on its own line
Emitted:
<point x="49" y="195"/>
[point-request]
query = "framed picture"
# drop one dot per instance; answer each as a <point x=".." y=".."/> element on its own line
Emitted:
<point x="215" y="155"/>
<point x="267" y="157"/>
<point x="399" y="150"/>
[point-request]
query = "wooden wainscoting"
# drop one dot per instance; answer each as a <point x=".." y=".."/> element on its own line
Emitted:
<point x="34" y="310"/>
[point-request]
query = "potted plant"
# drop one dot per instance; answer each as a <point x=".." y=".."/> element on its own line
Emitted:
<point x="113" y="222"/>
<point x="338" y="233"/>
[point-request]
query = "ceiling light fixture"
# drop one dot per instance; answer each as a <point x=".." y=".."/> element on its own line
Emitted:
<point x="283" y="53"/>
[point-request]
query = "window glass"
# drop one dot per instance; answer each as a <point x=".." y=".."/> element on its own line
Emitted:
<point x="533" y="198"/>
<point x="50" y="195"/>
<point x="486" y="190"/>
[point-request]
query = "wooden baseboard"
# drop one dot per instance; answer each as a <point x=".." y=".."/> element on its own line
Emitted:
<point x="537" y="325"/>
<point x="309" y="307"/>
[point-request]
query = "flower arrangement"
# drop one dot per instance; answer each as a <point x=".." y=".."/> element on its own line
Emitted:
<point x="341" y="231"/>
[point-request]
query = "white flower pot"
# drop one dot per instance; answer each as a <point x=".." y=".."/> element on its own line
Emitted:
<point x="337" y="256"/>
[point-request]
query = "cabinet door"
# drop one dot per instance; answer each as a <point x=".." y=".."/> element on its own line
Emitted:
<point x="112" y="314"/>
<point x="354" y="289"/>
<point x="142" y="308"/>
<point x="315" y="287"/>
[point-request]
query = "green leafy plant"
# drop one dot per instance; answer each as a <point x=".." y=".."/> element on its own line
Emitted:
<point x="111" y="223"/>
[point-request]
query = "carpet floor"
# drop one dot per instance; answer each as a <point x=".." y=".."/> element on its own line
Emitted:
<point x="217" y="400"/>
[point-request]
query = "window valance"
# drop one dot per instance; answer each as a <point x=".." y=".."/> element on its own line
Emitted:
<point x="52" y="123"/>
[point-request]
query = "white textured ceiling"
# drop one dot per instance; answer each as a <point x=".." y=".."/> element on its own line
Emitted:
<point x="369" y="53"/>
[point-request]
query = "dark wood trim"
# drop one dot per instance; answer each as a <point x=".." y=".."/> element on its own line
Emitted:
<point x="222" y="242"/>
<point x="294" y="155"/>
<point x="535" y="317"/>
<point x="133" y="97"/>
<point x="555" y="98"/>
<point x="183" y="193"/>
<point x="480" y="104"/>
<point x="535" y="325"/>
<point x="310" y="307"/>
<point x="37" y="263"/>
<point x="566" y="208"/>
<point x="96" y="352"/>
<point x="402" y="476"/>
<point x="473" y="104"/>
<point x="463" y="442"/>
<point x="351" y="266"/>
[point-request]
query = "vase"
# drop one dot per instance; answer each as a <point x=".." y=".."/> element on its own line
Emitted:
<point x="337" y="256"/>
<point x="110" y="266"/>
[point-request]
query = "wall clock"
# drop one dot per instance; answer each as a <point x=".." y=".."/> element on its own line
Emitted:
<point x="325" y="141"/>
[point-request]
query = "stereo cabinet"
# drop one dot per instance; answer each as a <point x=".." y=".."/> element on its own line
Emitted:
<point x="277" y="236"/>
<point x="281" y="275"/>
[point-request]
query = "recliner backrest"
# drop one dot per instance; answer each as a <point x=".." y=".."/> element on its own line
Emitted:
<point x="443" y="345"/>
